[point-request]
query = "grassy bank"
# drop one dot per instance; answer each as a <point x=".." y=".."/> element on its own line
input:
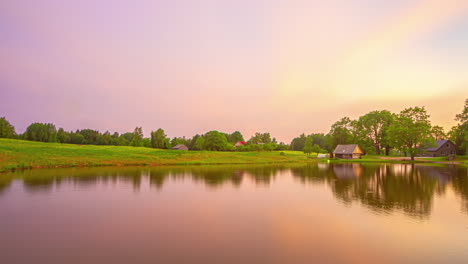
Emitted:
<point x="19" y="154"/>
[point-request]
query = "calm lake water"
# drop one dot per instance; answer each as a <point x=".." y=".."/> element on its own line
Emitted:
<point x="315" y="213"/>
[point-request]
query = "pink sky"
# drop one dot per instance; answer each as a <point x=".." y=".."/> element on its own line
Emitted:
<point x="285" y="67"/>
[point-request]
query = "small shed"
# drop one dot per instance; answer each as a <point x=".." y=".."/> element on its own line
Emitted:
<point x="350" y="151"/>
<point x="180" y="147"/>
<point x="322" y="156"/>
<point x="443" y="148"/>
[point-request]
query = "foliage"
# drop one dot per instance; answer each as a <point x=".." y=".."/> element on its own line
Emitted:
<point x="438" y="133"/>
<point x="62" y="136"/>
<point x="41" y="132"/>
<point x="261" y="138"/>
<point x="317" y="149"/>
<point x="411" y="131"/>
<point x="137" y="139"/>
<point x="235" y="137"/>
<point x="342" y="131"/>
<point x="374" y="127"/>
<point x="298" y="143"/>
<point x="217" y="141"/>
<point x="6" y="129"/>
<point x="159" y="139"/>
<point x="308" y="146"/>
<point x="199" y="143"/>
<point x="459" y="133"/>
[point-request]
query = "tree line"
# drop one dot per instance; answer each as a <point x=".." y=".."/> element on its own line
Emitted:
<point x="380" y="132"/>
<point x="377" y="132"/>
<point x="212" y="140"/>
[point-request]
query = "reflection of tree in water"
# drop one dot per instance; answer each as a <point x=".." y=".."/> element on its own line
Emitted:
<point x="215" y="176"/>
<point x="383" y="188"/>
<point x="460" y="186"/>
<point x="5" y="181"/>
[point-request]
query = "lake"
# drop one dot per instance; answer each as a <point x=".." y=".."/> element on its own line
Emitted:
<point x="304" y="213"/>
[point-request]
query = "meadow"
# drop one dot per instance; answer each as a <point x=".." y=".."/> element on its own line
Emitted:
<point x="21" y="154"/>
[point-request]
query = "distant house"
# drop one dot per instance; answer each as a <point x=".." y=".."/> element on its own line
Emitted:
<point x="180" y="147"/>
<point x="239" y="143"/>
<point x="351" y="151"/>
<point x="443" y="148"/>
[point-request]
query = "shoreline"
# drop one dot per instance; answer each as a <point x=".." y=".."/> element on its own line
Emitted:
<point x="27" y="155"/>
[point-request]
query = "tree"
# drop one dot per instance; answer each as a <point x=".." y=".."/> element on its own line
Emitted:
<point x="374" y="126"/>
<point x="76" y="138"/>
<point x="261" y="138"/>
<point x="90" y="136"/>
<point x="159" y="139"/>
<point x="137" y="140"/>
<point x="341" y="132"/>
<point x="438" y="133"/>
<point x="41" y="132"/>
<point x="459" y="133"/>
<point x="235" y="137"/>
<point x="63" y="136"/>
<point x="298" y="143"/>
<point x="6" y="129"/>
<point x="308" y="146"/>
<point x="215" y="140"/>
<point x="317" y="149"/>
<point x="411" y="131"/>
<point x="104" y="139"/>
<point x="199" y="143"/>
<point x="146" y="142"/>
<point x="180" y="141"/>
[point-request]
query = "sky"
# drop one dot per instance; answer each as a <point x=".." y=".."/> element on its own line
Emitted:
<point x="279" y="66"/>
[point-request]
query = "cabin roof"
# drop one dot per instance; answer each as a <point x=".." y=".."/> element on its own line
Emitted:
<point x="180" y="146"/>
<point x="439" y="144"/>
<point x="345" y="149"/>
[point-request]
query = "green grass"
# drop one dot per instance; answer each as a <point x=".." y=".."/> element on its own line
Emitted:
<point x="19" y="154"/>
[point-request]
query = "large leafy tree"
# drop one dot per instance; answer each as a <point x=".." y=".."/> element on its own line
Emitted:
<point x="298" y="143"/>
<point x="374" y="126"/>
<point x="215" y="140"/>
<point x="261" y="138"/>
<point x="159" y="139"/>
<point x="6" y="129"/>
<point x="459" y="133"/>
<point x="343" y="131"/>
<point x="438" y="133"/>
<point x="41" y="132"/>
<point x="411" y="131"/>
<point x="235" y="137"/>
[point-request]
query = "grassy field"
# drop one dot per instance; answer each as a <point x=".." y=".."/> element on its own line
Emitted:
<point x="19" y="154"/>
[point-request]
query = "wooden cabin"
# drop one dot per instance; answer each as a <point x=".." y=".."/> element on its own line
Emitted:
<point x="443" y="148"/>
<point x="350" y="151"/>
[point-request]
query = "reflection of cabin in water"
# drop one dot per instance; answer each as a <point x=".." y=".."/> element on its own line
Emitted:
<point x="351" y="151"/>
<point x="347" y="171"/>
<point x="443" y="148"/>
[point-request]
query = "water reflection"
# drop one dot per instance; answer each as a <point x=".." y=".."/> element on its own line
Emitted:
<point x="383" y="188"/>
